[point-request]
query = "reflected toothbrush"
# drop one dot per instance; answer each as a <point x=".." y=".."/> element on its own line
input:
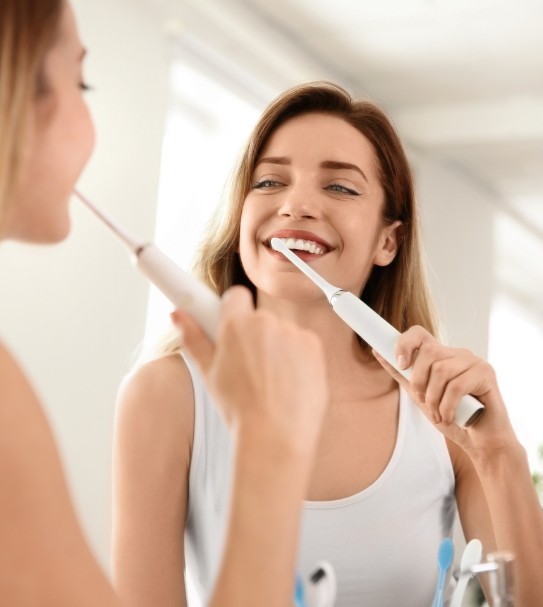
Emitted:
<point x="373" y="329"/>
<point x="322" y="586"/>
<point x="299" y="594"/>
<point x="471" y="556"/>
<point x="444" y="561"/>
<point x="185" y="291"/>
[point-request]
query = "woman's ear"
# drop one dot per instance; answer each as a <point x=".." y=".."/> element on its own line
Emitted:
<point x="389" y="242"/>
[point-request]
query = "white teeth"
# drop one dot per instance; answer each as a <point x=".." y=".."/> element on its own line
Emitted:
<point x="303" y="245"/>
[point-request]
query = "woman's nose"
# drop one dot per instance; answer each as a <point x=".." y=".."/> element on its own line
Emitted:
<point x="300" y="204"/>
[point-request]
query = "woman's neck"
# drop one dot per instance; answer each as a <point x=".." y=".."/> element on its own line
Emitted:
<point x="352" y="369"/>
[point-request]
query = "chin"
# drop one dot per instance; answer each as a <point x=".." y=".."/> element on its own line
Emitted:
<point x="43" y="233"/>
<point x="55" y="238"/>
<point x="56" y="234"/>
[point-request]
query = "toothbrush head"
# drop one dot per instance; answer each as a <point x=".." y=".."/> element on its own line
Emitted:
<point x="329" y="290"/>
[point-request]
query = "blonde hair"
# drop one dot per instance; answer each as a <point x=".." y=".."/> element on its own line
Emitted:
<point x="27" y="30"/>
<point x="399" y="291"/>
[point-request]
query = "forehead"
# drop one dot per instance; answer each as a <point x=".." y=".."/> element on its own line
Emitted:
<point x="322" y="136"/>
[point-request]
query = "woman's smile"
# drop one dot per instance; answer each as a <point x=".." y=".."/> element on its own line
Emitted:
<point x="307" y="245"/>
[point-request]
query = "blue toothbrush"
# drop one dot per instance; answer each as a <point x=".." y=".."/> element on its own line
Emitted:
<point x="321" y="588"/>
<point x="299" y="598"/>
<point x="444" y="561"/>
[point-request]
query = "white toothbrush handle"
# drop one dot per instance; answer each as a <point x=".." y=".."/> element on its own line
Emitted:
<point x="382" y="337"/>
<point x="322" y="592"/>
<point x="185" y="291"/>
<point x="460" y="590"/>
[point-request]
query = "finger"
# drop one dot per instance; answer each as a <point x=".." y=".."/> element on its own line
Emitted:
<point x="409" y="343"/>
<point x="442" y="373"/>
<point x="430" y="356"/>
<point x="471" y="381"/>
<point x="194" y="340"/>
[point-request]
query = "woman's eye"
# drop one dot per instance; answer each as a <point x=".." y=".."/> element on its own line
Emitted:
<point x="265" y="184"/>
<point x="85" y="87"/>
<point x="336" y="187"/>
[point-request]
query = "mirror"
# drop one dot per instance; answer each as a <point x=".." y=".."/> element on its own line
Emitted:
<point x="464" y="90"/>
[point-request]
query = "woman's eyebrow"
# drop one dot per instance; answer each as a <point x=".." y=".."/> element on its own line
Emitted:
<point x="282" y="160"/>
<point x="325" y="164"/>
<point x="337" y="164"/>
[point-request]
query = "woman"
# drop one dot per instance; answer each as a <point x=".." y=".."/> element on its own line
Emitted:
<point x="329" y="176"/>
<point x="46" y="137"/>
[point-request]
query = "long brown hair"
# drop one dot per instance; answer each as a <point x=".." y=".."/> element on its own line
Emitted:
<point x="398" y="292"/>
<point x="27" y="30"/>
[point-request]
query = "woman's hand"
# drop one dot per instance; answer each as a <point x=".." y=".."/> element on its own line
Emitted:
<point x="440" y="377"/>
<point x="265" y="373"/>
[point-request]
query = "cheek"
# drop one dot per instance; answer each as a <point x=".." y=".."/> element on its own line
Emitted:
<point x="79" y="139"/>
<point x="70" y="142"/>
<point x="245" y="235"/>
<point x="58" y="155"/>
<point x="249" y="223"/>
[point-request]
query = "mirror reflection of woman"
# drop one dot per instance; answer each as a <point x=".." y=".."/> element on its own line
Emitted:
<point x="46" y="138"/>
<point x="328" y="175"/>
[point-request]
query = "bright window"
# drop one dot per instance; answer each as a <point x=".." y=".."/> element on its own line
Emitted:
<point x="206" y="129"/>
<point x="515" y="351"/>
<point x="516" y="327"/>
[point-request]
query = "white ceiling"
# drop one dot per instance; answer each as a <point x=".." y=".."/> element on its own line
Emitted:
<point x="463" y="79"/>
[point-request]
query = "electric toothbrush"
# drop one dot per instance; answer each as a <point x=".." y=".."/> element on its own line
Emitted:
<point x="185" y="291"/>
<point x="373" y="329"/>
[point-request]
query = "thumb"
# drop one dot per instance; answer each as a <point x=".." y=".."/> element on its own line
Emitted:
<point x="236" y="301"/>
<point x="194" y="340"/>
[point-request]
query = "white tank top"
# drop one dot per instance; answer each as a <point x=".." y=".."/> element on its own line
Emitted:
<point x="382" y="542"/>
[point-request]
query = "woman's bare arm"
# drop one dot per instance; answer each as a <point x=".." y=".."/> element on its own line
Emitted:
<point x="44" y="558"/>
<point x="152" y="451"/>
<point x="498" y="466"/>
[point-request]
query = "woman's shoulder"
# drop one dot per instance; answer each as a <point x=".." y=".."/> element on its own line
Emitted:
<point x="159" y="375"/>
<point x="7" y="361"/>
<point x="14" y="385"/>
<point x="35" y="498"/>
<point x="158" y="394"/>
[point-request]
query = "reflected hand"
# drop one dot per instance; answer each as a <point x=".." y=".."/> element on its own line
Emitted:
<point x="440" y="377"/>
<point x="265" y="373"/>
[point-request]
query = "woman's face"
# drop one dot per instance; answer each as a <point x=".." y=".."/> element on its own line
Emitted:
<point x="316" y="184"/>
<point x="60" y="144"/>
